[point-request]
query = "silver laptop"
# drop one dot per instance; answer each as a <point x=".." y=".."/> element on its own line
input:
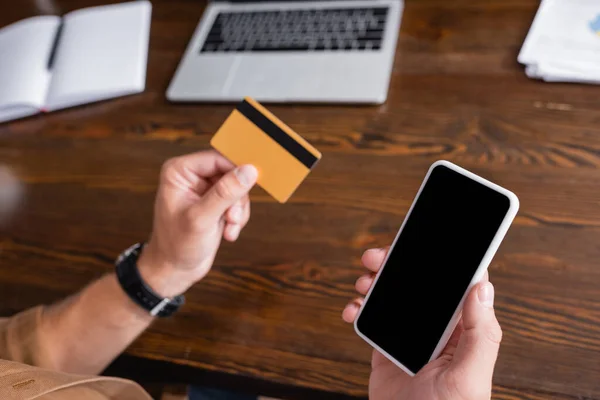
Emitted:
<point x="290" y="51"/>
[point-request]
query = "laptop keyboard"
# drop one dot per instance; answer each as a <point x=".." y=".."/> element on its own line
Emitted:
<point x="347" y="29"/>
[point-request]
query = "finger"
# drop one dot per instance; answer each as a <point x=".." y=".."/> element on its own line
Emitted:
<point x="479" y="343"/>
<point x="230" y="189"/>
<point x="450" y="348"/>
<point x="235" y="214"/>
<point x="237" y="220"/>
<point x="203" y="163"/>
<point x="196" y="166"/>
<point x="194" y="171"/>
<point x="245" y="211"/>
<point x="457" y="333"/>
<point x="363" y="284"/>
<point x="232" y="232"/>
<point x="454" y="339"/>
<point x="373" y="258"/>
<point x="351" y="311"/>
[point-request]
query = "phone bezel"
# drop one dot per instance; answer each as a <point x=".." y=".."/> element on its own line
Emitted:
<point x="491" y="251"/>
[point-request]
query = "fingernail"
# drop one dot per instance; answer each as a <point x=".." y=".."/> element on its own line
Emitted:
<point x="375" y="250"/>
<point x="247" y="175"/>
<point x="486" y="295"/>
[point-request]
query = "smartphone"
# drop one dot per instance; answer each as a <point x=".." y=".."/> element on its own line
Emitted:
<point x="443" y="248"/>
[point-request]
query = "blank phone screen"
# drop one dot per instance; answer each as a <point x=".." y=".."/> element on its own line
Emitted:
<point x="443" y="242"/>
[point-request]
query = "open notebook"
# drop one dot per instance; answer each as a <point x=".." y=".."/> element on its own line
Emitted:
<point x="49" y="63"/>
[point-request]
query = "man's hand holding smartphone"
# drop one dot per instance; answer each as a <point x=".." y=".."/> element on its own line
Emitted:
<point x="465" y="368"/>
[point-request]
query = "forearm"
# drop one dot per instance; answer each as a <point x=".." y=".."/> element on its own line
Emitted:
<point x="85" y="332"/>
<point x="202" y="198"/>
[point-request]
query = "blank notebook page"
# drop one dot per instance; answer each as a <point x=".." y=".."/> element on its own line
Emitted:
<point x="24" y="76"/>
<point x="102" y="54"/>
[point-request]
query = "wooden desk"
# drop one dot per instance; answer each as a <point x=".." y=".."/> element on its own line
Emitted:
<point x="268" y="315"/>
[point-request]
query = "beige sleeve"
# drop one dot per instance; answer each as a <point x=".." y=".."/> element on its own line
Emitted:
<point x="19" y="338"/>
<point x="20" y="344"/>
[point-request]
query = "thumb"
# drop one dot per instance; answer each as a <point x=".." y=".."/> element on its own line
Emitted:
<point x="227" y="191"/>
<point x="479" y="343"/>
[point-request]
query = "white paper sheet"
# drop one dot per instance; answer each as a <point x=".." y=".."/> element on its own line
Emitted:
<point x="25" y="47"/>
<point x="563" y="44"/>
<point x="103" y="54"/>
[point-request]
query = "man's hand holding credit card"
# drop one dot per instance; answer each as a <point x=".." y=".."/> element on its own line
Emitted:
<point x="253" y="135"/>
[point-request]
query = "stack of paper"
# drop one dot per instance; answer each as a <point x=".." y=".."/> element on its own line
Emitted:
<point x="563" y="44"/>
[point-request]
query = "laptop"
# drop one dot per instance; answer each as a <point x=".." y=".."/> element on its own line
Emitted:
<point x="335" y="51"/>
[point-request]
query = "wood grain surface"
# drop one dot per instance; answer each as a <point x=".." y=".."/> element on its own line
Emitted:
<point x="270" y="309"/>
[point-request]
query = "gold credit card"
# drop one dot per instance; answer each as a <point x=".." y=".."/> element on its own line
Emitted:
<point x="253" y="135"/>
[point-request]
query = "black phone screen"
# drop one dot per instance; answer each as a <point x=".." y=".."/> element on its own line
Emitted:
<point x="443" y="242"/>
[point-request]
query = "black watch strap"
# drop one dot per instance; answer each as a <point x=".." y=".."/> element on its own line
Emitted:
<point x="132" y="283"/>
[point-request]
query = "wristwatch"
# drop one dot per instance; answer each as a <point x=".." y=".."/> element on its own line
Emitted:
<point x="132" y="283"/>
